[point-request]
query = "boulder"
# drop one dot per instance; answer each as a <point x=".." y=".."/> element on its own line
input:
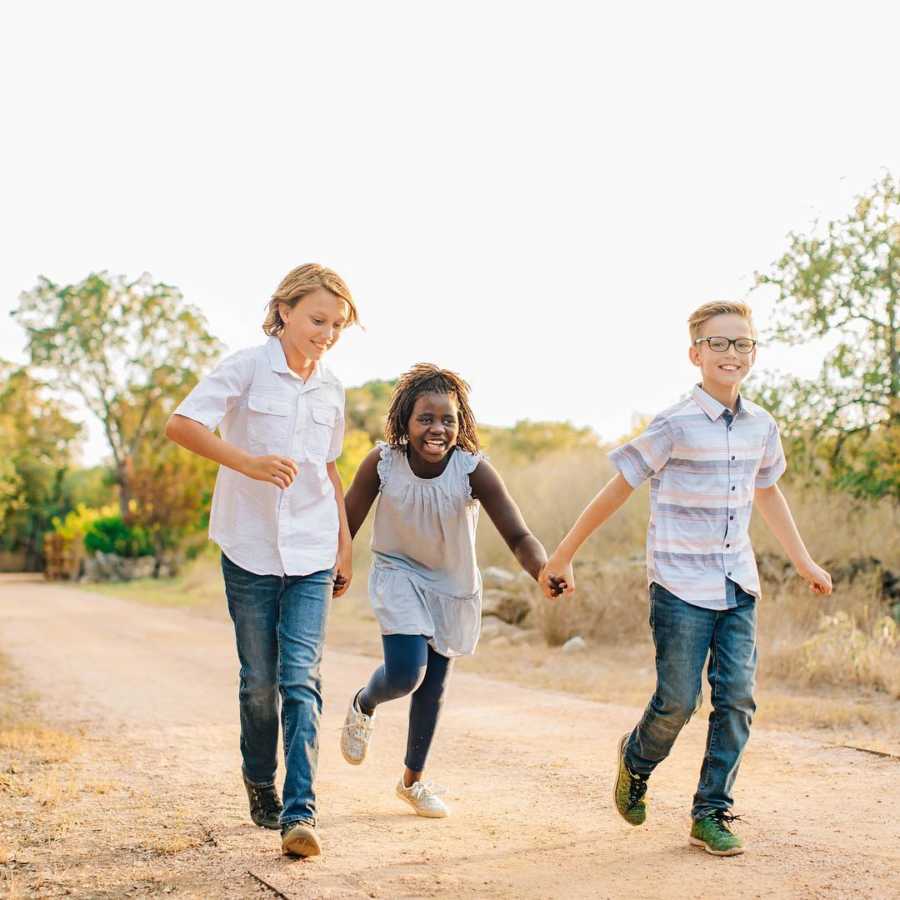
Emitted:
<point x="574" y="644"/>
<point x="509" y="606"/>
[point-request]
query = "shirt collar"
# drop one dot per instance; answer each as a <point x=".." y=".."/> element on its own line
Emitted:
<point x="278" y="361"/>
<point x="713" y="408"/>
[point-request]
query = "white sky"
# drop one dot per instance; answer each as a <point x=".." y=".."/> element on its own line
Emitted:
<point x="533" y="194"/>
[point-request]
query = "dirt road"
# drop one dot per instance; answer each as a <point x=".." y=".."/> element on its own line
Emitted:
<point x="529" y="777"/>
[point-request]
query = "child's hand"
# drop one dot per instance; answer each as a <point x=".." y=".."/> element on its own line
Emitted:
<point x="816" y="577"/>
<point x="556" y="578"/>
<point x="343" y="572"/>
<point x="278" y="470"/>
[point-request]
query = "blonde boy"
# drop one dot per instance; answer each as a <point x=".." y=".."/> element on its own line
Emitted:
<point x="710" y="459"/>
<point x="278" y="516"/>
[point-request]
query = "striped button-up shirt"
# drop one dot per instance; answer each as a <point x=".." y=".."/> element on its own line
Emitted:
<point x="704" y="465"/>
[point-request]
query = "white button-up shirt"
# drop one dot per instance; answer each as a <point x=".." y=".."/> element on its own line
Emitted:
<point x="261" y="406"/>
<point x="703" y="472"/>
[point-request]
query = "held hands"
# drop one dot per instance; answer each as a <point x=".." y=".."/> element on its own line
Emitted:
<point x="343" y="571"/>
<point x="556" y="578"/>
<point x="816" y="577"/>
<point x="278" y="470"/>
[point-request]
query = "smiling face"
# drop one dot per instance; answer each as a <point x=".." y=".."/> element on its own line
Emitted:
<point x="314" y="324"/>
<point x="723" y="372"/>
<point x="433" y="426"/>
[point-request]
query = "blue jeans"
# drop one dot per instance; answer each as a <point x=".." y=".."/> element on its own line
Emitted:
<point x="279" y="624"/>
<point x="684" y="636"/>
<point x="411" y="666"/>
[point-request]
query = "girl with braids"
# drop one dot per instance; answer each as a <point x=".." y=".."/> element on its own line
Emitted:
<point x="425" y="586"/>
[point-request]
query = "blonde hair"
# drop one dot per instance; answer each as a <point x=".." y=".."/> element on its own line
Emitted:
<point x="701" y="315"/>
<point x="297" y="284"/>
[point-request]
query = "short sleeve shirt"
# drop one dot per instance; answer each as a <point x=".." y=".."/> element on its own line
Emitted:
<point x="261" y="406"/>
<point x="704" y="465"/>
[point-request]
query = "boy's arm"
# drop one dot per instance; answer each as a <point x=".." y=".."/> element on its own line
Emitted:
<point x="343" y="565"/>
<point x="193" y="436"/>
<point x="614" y="493"/>
<point x="363" y="491"/>
<point x="777" y="515"/>
<point x="488" y="487"/>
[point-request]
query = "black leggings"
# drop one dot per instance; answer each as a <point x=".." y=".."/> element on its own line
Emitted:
<point x="411" y="666"/>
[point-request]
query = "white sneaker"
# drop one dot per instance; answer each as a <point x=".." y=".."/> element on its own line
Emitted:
<point x="422" y="796"/>
<point x="356" y="733"/>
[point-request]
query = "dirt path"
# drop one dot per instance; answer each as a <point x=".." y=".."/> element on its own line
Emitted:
<point x="529" y="775"/>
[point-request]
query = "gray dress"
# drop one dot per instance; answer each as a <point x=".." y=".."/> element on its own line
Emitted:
<point x="424" y="577"/>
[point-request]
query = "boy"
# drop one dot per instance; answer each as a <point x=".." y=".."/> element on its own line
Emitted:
<point x="710" y="458"/>
<point x="278" y="515"/>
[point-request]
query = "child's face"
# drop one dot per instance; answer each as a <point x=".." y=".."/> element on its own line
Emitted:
<point x="726" y="369"/>
<point x="433" y="426"/>
<point x="315" y="323"/>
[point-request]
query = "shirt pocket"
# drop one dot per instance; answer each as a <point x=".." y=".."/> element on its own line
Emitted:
<point x="268" y="423"/>
<point x="319" y="431"/>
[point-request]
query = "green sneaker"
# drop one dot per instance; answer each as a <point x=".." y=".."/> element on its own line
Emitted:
<point x="629" y="790"/>
<point x="713" y="833"/>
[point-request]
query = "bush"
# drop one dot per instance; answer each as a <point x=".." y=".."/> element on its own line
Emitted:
<point x="79" y="521"/>
<point x="111" y="534"/>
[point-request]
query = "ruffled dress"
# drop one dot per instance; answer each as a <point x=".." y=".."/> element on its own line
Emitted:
<point x="424" y="577"/>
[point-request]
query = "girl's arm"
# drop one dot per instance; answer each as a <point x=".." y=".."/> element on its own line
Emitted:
<point x="190" y="434"/>
<point x="363" y="491"/>
<point x="777" y="515"/>
<point x="614" y="493"/>
<point x="488" y="487"/>
<point x="343" y="565"/>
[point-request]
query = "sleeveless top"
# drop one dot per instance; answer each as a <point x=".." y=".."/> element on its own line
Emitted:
<point x="424" y="577"/>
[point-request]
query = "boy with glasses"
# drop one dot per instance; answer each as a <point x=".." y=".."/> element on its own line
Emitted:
<point x="709" y="459"/>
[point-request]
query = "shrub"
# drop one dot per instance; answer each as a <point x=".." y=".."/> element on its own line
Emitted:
<point x="112" y="535"/>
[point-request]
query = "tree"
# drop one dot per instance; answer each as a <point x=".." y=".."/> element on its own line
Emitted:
<point x="129" y="349"/>
<point x="37" y="443"/>
<point x="843" y="281"/>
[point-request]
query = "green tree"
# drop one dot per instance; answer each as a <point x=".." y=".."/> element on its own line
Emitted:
<point x="129" y="349"/>
<point x="367" y="407"/>
<point x="842" y="281"/>
<point x="37" y="443"/>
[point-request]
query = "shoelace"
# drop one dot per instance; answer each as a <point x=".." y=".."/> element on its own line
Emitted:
<point x="265" y="799"/>
<point x="424" y="789"/>
<point x="725" y="819"/>
<point x="360" y="729"/>
<point x="637" y="787"/>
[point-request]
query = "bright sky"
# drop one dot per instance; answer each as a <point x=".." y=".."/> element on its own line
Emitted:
<point x="533" y="194"/>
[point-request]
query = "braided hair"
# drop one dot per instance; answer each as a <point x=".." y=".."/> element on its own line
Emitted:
<point x="425" y="378"/>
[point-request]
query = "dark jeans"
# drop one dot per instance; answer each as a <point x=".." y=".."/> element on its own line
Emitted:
<point x="684" y="636"/>
<point x="411" y="666"/>
<point x="279" y="624"/>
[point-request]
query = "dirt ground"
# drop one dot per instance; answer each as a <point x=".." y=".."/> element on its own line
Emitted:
<point x="151" y="803"/>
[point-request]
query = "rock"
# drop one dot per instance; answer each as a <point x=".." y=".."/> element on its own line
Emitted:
<point x="510" y="606"/>
<point x="500" y="641"/>
<point x="574" y="644"/>
<point x="495" y="577"/>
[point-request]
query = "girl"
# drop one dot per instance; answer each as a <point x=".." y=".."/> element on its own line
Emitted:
<point x="424" y="585"/>
<point x="278" y="515"/>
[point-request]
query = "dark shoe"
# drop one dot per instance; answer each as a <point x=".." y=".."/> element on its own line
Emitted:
<point x="265" y="807"/>
<point x="300" y="839"/>
<point x="713" y="833"/>
<point x="629" y="790"/>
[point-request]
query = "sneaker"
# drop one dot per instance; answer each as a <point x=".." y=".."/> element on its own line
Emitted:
<point x="356" y="733"/>
<point x="713" y="833"/>
<point x="422" y="796"/>
<point x="265" y="805"/>
<point x="300" y="839"/>
<point x="629" y="790"/>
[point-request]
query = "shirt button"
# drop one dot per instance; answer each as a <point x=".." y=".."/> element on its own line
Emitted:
<point x="729" y="573"/>
<point x="727" y="546"/>
<point x="732" y="487"/>
<point x="733" y="457"/>
<point x="731" y="518"/>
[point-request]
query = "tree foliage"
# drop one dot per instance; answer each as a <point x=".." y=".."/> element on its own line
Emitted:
<point x="842" y="282"/>
<point x="37" y="443"/>
<point x="129" y="349"/>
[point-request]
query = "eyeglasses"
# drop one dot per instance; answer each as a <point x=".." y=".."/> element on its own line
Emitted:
<point x="721" y="344"/>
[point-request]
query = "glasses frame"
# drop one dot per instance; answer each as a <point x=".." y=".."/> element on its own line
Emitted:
<point x="732" y="342"/>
